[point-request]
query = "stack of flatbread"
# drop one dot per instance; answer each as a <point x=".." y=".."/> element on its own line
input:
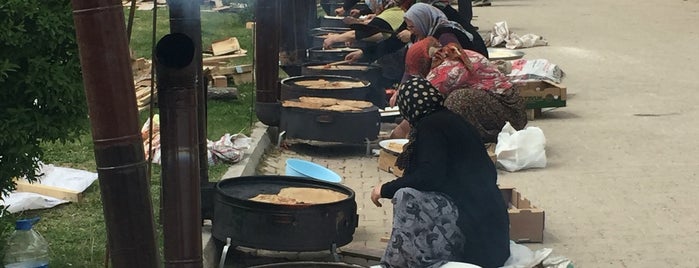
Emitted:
<point x="339" y="67"/>
<point x="325" y="84"/>
<point x="329" y="104"/>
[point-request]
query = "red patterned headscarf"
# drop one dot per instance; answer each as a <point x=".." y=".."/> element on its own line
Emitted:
<point x="452" y="51"/>
<point x="418" y="60"/>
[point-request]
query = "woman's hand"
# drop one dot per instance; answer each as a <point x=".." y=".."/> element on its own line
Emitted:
<point x="354" y="13"/>
<point x="394" y="97"/>
<point x="339" y="11"/>
<point x="354" y="56"/>
<point x="328" y="42"/>
<point x="404" y="36"/>
<point x="376" y="195"/>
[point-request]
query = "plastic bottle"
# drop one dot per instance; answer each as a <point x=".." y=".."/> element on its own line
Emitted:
<point x="26" y="247"/>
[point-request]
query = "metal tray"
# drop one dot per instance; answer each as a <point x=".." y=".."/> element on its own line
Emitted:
<point x="504" y="54"/>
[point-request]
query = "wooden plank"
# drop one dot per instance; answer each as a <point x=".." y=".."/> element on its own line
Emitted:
<point x="52" y="191"/>
<point x="533" y="113"/>
<point x="222" y="58"/>
<point x="249" y="25"/>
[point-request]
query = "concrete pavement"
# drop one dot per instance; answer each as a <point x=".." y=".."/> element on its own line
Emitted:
<point x="620" y="186"/>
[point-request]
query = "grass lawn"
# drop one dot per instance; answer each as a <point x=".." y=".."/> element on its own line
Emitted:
<point x="76" y="231"/>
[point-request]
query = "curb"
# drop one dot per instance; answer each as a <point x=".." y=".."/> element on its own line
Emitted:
<point x="246" y="167"/>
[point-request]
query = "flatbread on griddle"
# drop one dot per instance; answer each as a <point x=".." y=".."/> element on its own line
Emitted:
<point x="355" y="103"/>
<point x="306" y="105"/>
<point x="301" y="195"/>
<point x="340" y="108"/>
<point x="319" y="100"/>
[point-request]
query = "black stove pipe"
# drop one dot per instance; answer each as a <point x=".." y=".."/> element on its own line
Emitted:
<point x="176" y="68"/>
<point x="267" y="22"/>
<point x="185" y="17"/>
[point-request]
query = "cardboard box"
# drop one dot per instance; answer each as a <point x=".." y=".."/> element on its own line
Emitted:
<point x="387" y="162"/>
<point x="219" y="81"/>
<point x="242" y="74"/>
<point x="225" y="46"/>
<point x="526" y="220"/>
<point x="543" y="94"/>
<point x="490" y="148"/>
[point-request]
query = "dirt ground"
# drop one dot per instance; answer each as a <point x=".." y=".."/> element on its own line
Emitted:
<point x="620" y="186"/>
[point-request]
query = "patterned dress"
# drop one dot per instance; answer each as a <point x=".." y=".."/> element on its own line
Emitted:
<point x="424" y="231"/>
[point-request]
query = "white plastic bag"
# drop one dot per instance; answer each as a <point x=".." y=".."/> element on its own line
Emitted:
<point x="229" y="148"/>
<point x="537" y="69"/>
<point x="523" y="257"/>
<point x="21" y="201"/>
<point x="521" y="149"/>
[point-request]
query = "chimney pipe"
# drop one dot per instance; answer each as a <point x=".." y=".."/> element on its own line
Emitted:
<point x="267" y="21"/>
<point x="121" y="165"/>
<point x="185" y="17"/>
<point x="181" y="200"/>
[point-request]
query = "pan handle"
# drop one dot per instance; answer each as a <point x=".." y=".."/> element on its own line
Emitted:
<point x="325" y="118"/>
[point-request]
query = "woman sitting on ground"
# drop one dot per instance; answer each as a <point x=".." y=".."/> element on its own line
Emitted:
<point x="473" y="86"/>
<point x="447" y="205"/>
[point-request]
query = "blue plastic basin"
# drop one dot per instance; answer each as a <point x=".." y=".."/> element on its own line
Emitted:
<point x="303" y="168"/>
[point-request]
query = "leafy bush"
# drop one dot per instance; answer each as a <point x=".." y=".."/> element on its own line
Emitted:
<point x="245" y="9"/>
<point x="42" y="97"/>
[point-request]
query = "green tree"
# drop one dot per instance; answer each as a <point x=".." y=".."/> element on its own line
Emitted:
<point x="41" y="92"/>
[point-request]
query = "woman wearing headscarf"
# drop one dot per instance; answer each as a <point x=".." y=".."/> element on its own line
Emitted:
<point x="385" y="49"/>
<point x="473" y="86"/>
<point x="388" y="20"/>
<point x="425" y="20"/>
<point x="447" y="205"/>
<point x="445" y="6"/>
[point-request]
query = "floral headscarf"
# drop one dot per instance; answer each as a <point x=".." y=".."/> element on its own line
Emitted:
<point x="426" y="55"/>
<point x="417" y="98"/>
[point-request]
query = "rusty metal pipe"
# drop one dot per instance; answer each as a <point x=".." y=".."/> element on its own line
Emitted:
<point x="176" y="71"/>
<point x="267" y="21"/>
<point x="294" y="37"/>
<point x="121" y="166"/>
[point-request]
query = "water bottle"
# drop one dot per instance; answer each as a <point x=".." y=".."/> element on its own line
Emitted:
<point x="26" y="247"/>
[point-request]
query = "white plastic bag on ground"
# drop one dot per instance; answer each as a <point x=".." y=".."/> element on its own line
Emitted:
<point x="521" y="149"/>
<point x="21" y="201"/>
<point x="229" y="148"/>
<point x="537" y="69"/>
<point x="50" y="175"/>
<point x="524" y="41"/>
<point x="523" y="257"/>
<point x="501" y="34"/>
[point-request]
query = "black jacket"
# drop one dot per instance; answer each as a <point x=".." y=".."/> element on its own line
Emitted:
<point x="450" y="157"/>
